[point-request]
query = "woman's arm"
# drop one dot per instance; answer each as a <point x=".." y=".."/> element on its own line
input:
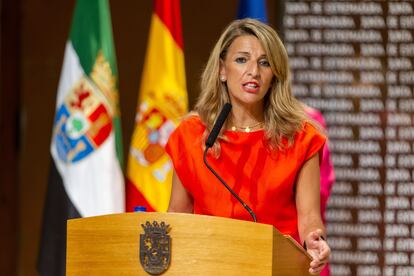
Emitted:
<point x="310" y="225"/>
<point x="180" y="201"/>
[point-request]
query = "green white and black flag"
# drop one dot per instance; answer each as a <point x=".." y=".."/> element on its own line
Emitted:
<point x="85" y="177"/>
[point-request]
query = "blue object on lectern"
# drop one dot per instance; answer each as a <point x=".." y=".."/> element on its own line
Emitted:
<point x="140" y="209"/>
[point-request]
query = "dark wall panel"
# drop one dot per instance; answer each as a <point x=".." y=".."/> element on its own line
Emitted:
<point x="9" y="97"/>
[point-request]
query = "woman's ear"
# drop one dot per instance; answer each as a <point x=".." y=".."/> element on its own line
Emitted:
<point x="222" y="71"/>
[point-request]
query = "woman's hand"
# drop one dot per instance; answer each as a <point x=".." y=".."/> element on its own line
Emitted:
<point x="319" y="249"/>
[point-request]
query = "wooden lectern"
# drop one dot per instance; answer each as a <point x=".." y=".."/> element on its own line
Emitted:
<point x="200" y="245"/>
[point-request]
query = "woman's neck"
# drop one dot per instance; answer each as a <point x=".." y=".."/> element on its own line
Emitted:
<point x="245" y="116"/>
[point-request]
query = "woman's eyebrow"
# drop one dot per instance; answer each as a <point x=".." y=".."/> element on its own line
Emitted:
<point x="248" y="54"/>
<point x="244" y="53"/>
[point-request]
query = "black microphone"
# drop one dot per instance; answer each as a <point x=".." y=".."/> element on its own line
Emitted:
<point x="218" y="125"/>
<point x="210" y="142"/>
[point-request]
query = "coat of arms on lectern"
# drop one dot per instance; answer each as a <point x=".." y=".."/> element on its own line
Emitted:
<point x="155" y="247"/>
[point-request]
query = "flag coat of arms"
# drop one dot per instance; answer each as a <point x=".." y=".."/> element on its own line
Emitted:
<point x="86" y="178"/>
<point x="162" y="102"/>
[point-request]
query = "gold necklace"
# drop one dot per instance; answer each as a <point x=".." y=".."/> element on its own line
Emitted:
<point x="247" y="128"/>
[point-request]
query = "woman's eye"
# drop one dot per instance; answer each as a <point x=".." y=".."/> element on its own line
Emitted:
<point x="241" y="60"/>
<point x="264" y="63"/>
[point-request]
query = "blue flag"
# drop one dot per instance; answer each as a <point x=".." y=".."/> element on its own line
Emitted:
<point x="253" y="9"/>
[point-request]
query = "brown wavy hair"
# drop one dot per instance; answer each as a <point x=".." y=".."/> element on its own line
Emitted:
<point x="283" y="113"/>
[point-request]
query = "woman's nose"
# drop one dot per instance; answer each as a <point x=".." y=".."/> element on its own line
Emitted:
<point x="253" y="69"/>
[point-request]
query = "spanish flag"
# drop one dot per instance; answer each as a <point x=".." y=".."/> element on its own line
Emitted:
<point x="162" y="102"/>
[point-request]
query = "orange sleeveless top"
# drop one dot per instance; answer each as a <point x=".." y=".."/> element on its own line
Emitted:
<point x="264" y="179"/>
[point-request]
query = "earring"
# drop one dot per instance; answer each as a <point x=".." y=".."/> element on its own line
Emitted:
<point x="223" y="78"/>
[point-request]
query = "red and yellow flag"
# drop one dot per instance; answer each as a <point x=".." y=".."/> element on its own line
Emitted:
<point x="162" y="101"/>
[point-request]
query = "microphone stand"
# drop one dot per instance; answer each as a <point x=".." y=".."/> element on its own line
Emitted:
<point x="227" y="186"/>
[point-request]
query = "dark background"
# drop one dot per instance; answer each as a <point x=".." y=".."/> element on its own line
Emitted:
<point x="33" y="37"/>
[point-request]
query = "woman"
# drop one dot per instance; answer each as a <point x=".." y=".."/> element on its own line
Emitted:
<point x="267" y="151"/>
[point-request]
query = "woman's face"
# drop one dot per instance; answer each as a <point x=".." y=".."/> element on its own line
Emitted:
<point x="247" y="71"/>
